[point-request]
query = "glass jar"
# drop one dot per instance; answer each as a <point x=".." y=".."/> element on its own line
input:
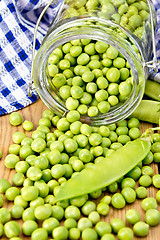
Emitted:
<point x="127" y="25"/>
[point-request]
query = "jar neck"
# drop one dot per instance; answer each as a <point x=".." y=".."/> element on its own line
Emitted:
<point x="96" y="29"/>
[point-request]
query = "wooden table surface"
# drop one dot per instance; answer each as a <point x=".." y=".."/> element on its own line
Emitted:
<point x="34" y="113"/>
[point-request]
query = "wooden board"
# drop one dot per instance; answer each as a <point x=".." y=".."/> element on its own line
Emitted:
<point x="34" y="113"/>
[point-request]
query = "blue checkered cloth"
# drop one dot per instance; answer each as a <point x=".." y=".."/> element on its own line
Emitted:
<point x="17" y="22"/>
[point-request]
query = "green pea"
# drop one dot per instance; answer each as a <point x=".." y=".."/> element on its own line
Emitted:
<point x="70" y="145"/>
<point x="124" y="75"/>
<point x="117" y="224"/>
<point x="18" y="137"/>
<point x="90" y="49"/>
<point x="57" y="212"/>
<point x="123" y="139"/>
<point x="74" y="233"/>
<point x="22" y="167"/>
<point x="94" y="64"/>
<point x="70" y="223"/>
<point x="125" y="233"/>
<point x="156" y="157"/>
<point x="29" y="193"/>
<point x="60" y="232"/>
<point x="103" y="209"/>
<point x="16" y="211"/>
<point x="71" y="103"/>
<point x="113" y="187"/>
<point x="59" y="79"/>
<point x="11" y="229"/>
<point x="89" y="233"/>
<point x="53" y="58"/>
<point x="155" y="147"/>
<point x="38" y="134"/>
<point x="19" y="201"/>
<point x="147" y="170"/>
<point x="132" y="216"/>
<point x="83" y="59"/>
<point x="113" y="75"/>
<point x="25" y="151"/>
<point x="118" y="201"/>
<point x="14" y="149"/>
<point x="88" y="207"/>
<point x="4" y="185"/>
<point x="38" y="145"/>
<point x="36" y="202"/>
<point x="113" y="136"/>
<point x="27" y="141"/>
<point x="42" y="212"/>
<point x="112" y="52"/>
<point x="145" y="180"/>
<point x="11" y="160"/>
<point x="134" y="133"/>
<point x="141" y="192"/>
<point x="133" y="122"/>
<point x="50" y="224"/>
<point x="103" y="228"/>
<point x="152" y="217"/>
<point x="15" y="119"/>
<point x="129" y="194"/>
<point x="72" y="212"/>
<point x="108" y="236"/>
<point x="28" y="227"/>
<point x="149" y="203"/>
<point x="135" y="173"/>
<point x="57" y="145"/>
<point x="148" y="159"/>
<point x="18" y="179"/>
<point x="34" y="173"/>
<point x="103" y="106"/>
<point x="94" y="217"/>
<point x="5" y="215"/>
<point x="48" y="114"/>
<point x="64" y="64"/>
<point x="95" y="139"/>
<point x="27" y="125"/>
<point x="79" y="201"/>
<point x="84" y="223"/>
<point x="41" y="162"/>
<point x="43" y="189"/>
<point x="75" y="51"/>
<point x="39" y="233"/>
<point x="28" y="214"/>
<point x="106" y="199"/>
<point x="141" y="229"/>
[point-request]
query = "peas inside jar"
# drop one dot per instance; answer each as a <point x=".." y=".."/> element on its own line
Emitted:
<point x="91" y="73"/>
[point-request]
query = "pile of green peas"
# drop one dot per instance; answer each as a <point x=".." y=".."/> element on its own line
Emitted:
<point x="130" y="14"/>
<point x="90" y="76"/>
<point x="58" y="149"/>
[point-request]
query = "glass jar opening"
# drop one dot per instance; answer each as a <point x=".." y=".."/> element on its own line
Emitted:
<point x="98" y="30"/>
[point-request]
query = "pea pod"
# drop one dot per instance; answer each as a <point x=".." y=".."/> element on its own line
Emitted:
<point x="105" y="172"/>
<point x="148" y="110"/>
<point x="152" y="90"/>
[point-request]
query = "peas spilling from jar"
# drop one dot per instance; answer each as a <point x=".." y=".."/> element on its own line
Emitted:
<point x="91" y="76"/>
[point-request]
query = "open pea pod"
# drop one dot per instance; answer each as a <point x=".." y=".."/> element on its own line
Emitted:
<point x="106" y="171"/>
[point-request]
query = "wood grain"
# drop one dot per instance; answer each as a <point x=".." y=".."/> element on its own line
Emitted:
<point x="34" y="113"/>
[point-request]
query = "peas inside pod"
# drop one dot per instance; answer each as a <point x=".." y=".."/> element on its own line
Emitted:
<point x="90" y="76"/>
